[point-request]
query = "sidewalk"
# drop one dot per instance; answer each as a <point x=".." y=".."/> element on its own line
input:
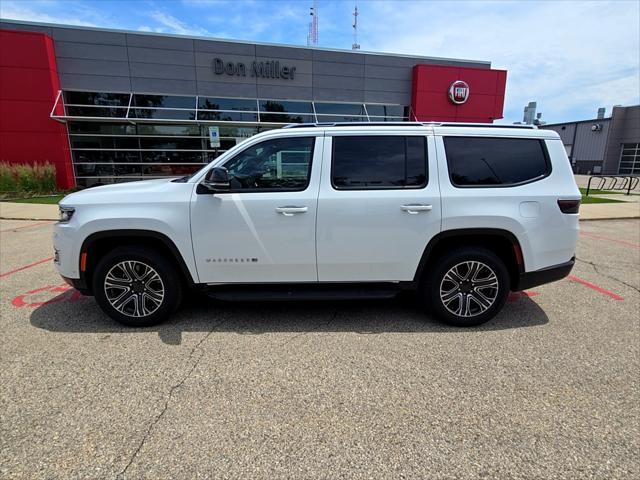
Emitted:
<point x="595" y="211"/>
<point x="606" y="211"/>
<point x="28" y="211"/>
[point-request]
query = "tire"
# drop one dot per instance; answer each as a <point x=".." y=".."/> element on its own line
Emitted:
<point x="457" y="300"/>
<point x="146" y="300"/>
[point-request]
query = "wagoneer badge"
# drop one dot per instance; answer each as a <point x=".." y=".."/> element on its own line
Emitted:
<point x="459" y="92"/>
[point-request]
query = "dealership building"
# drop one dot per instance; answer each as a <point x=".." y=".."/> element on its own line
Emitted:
<point x="106" y="106"/>
<point x="603" y="145"/>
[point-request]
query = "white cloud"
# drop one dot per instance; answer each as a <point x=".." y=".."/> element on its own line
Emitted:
<point x="173" y="25"/>
<point x="17" y="11"/>
<point x="571" y="57"/>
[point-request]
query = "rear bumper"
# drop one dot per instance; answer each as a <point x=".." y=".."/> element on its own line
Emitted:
<point x="77" y="283"/>
<point x="545" y="275"/>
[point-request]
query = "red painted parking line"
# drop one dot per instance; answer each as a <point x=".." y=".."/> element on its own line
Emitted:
<point x="515" y="296"/>
<point x="42" y="296"/>
<point x="598" y="289"/>
<point x="609" y="239"/>
<point x="32" y="225"/>
<point x="25" y="267"/>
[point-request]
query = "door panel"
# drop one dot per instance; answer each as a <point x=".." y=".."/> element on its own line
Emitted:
<point x="261" y="236"/>
<point x="375" y="235"/>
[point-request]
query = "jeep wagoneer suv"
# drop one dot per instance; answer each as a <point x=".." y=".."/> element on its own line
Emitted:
<point x="459" y="213"/>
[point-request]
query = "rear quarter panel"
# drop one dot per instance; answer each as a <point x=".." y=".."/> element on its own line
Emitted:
<point x="530" y="211"/>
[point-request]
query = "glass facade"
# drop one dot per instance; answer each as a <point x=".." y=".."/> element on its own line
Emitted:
<point x="630" y="159"/>
<point x="116" y="137"/>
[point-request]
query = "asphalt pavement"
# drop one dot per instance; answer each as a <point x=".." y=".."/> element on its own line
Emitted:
<point x="548" y="389"/>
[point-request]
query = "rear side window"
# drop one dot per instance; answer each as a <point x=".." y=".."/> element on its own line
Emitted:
<point x="476" y="161"/>
<point x="379" y="162"/>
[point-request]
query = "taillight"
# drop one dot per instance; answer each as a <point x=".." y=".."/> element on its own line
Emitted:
<point x="569" y="206"/>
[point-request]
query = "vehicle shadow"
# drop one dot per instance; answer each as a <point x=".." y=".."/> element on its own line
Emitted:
<point x="201" y="314"/>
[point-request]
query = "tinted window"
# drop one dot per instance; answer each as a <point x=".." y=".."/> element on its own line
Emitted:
<point x="228" y="116"/>
<point x="340" y="108"/>
<point x="279" y="164"/>
<point x="285" y="118"/>
<point x="169" y="143"/>
<point x="495" y="161"/>
<point x="183" y="130"/>
<point x="387" y="110"/>
<point x="97" y="112"/>
<point x="86" y="141"/>
<point x="166" y="101"/>
<point x="165" y="156"/>
<point x="216" y="103"/>
<point x="285" y="106"/>
<point x="379" y="162"/>
<point x="164" y="114"/>
<point x="97" y="98"/>
<point x="101" y="128"/>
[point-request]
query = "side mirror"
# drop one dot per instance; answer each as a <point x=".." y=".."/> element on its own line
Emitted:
<point x="217" y="180"/>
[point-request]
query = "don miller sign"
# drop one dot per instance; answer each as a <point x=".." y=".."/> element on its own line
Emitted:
<point x="268" y="69"/>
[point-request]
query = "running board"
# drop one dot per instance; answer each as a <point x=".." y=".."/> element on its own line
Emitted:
<point x="301" y="292"/>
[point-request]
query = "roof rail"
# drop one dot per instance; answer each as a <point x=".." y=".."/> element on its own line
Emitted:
<point x="351" y="124"/>
<point x="484" y="125"/>
<point x="403" y="124"/>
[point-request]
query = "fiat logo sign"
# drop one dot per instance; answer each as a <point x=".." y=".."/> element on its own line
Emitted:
<point x="459" y="92"/>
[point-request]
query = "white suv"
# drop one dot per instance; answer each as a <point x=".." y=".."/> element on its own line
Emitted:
<point x="459" y="213"/>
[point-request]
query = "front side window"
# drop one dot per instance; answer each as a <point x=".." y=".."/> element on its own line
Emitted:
<point x="481" y="161"/>
<point x="282" y="164"/>
<point x="379" y="162"/>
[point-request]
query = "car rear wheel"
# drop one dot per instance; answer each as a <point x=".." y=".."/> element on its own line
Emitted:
<point x="467" y="286"/>
<point x="137" y="286"/>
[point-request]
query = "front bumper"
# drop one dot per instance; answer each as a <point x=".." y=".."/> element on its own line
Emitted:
<point x="544" y="275"/>
<point x="66" y="251"/>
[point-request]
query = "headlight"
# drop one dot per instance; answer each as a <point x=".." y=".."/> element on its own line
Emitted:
<point x="66" y="213"/>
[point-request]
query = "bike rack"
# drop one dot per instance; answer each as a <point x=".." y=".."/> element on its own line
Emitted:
<point x="627" y="182"/>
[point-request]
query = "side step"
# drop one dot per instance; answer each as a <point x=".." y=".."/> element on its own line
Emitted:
<point x="303" y="291"/>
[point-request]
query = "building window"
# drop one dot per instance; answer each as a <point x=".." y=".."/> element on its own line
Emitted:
<point x="630" y="159"/>
<point x="164" y="101"/>
<point x="341" y="112"/>
<point x="125" y="106"/>
<point x="387" y="113"/>
<point x="278" y="111"/>
<point x="118" y="137"/>
<point x="96" y="98"/>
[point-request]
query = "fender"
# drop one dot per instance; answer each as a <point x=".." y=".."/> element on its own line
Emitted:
<point x="468" y="232"/>
<point x="133" y="233"/>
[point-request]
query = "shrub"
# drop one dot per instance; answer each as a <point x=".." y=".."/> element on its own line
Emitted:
<point x="23" y="179"/>
<point x="7" y="179"/>
<point x="45" y="174"/>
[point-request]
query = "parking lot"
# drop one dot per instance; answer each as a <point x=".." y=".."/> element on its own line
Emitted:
<point x="549" y="389"/>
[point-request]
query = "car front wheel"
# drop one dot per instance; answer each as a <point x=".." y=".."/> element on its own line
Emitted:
<point x="467" y="286"/>
<point x="136" y="286"/>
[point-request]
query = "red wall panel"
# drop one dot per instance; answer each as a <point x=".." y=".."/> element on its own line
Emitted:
<point x="430" y="94"/>
<point x="28" y="88"/>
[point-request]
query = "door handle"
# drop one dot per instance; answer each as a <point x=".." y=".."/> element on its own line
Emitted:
<point x="416" y="208"/>
<point x="290" y="211"/>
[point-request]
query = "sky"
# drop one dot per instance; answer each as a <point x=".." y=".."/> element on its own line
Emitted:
<point x="570" y="56"/>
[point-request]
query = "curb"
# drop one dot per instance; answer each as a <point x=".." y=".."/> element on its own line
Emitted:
<point x="609" y="218"/>
<point x="29" y="218"/>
